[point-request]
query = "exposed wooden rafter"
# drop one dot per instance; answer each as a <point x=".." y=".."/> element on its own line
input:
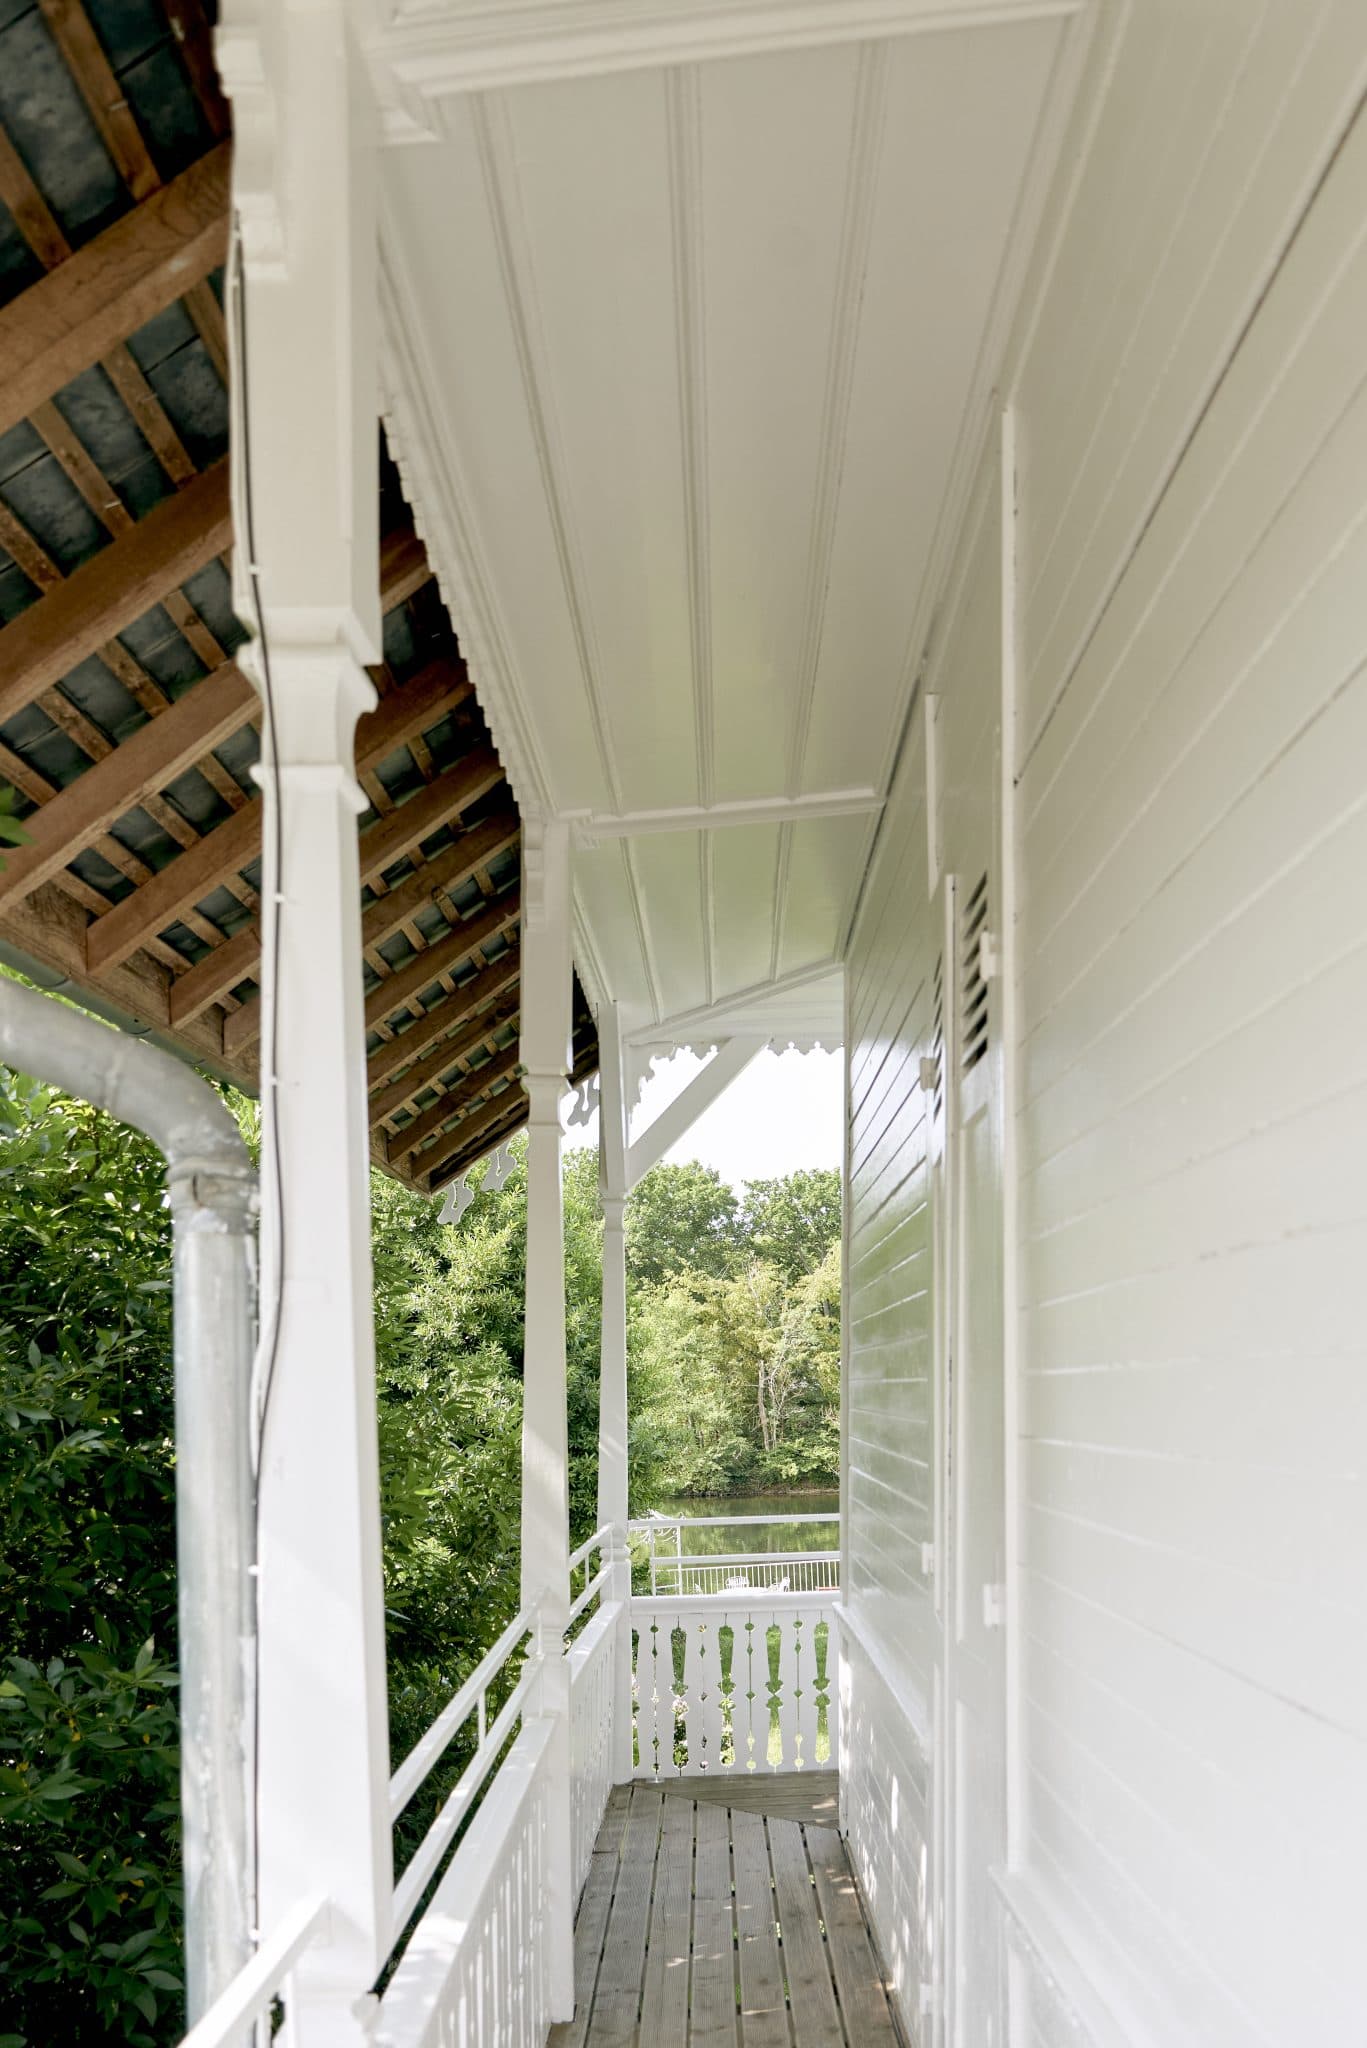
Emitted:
<point x="114" y="588"/>
<point x="450" y="869"/>
<point x="427" y="1073"/>
<point x="157" y="753"/>
<point x="444" y="957"/>
<point x="96" y="298"/>
<point x="482" y="1116"/>
<point x="133" y="803"/>
<point x="487" y="986"/>
<point x="460" y="1101"/>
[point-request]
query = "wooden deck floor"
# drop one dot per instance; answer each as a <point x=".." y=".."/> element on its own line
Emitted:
<point x="725" y="1916"/>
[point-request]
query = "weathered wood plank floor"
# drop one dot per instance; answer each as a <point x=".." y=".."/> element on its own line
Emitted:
<point x="723" y="1915"/>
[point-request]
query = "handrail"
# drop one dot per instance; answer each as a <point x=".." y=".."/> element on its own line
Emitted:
<point x="596" y="1584"/>
<point x="249" y="1994"/>
<point x="598" y="1541"/>
<point x="427" y="1751"/>
<point x="644" y="1523"/>
<point x="411" y="1886"/>
<point x="700" y="1559"/>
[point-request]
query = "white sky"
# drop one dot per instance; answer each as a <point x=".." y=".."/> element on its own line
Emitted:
<point x="782" y="1113"/>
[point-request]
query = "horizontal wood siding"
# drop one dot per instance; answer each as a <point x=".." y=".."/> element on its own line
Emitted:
<point x="886" y="1790"/>
<point x="888" y="1409"/>
<point x="1192" y="1059"/>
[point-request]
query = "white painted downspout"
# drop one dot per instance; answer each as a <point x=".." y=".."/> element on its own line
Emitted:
<point x="210" y="1184"/>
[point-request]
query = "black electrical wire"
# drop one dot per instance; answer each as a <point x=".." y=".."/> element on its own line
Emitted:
<point x="270" y="1022"/>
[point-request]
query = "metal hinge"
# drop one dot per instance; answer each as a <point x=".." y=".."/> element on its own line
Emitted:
<point x="994" y="1606"/>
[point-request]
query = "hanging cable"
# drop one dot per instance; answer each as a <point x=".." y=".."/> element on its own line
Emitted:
<point x="273" y="1205"/>
<point x="273" y="1225"/>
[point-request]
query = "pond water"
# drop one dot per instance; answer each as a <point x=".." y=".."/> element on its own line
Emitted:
<point x="722" y="1537"/>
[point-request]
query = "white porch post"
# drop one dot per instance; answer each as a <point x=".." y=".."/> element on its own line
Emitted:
<point x="306" y="559"/>
<point x="545" y="1010"/>
<point x="612" y="1367"/>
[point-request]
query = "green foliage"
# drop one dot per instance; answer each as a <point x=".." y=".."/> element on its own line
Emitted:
<point x="449" y="1355"/>
<point x="89" y="1769"/>
<point x="682" y="1219"/>
<point x="792" y="1223"/>
<point x="734" y="1336"/>
<point x="12" y="833"/>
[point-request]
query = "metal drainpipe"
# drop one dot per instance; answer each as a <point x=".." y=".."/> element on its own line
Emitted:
<point x="210" y="1184"/>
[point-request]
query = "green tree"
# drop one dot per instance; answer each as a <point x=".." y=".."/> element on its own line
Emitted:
<point x="793" y="1222"/>
<point x="89" y="1768"/>
<point x="690" y="1422"/>
<point x="681" y="1219"/>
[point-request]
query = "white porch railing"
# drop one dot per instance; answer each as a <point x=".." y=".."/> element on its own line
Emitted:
<point x="233" y="2018"/>
<point x="592" y="1674"/>
<point x="776" y="1571"/>
<point x="677" y="1570"/>
<point x="737" y="1680"/>
<point x="735" y="1683"/>
<point x="476" y="1971"/>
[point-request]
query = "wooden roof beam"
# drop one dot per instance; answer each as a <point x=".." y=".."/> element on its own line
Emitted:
<point x="476" y="1136"/>
<point x="477" y="1118"/>
<point x="49" y="927"/>
<point x="155" y="755"/>
<point x="386" y="842"/>
<point x="184" y="882"/>
<point x="74" y="316"/>
<point x="212" y="977"/>
<point x="475" y="1086"/>
<point x="404" y="566"/>
<point x="449" y="869"/>
<point x="426" y="1073"/>
<point x="487" y="1131"/>
<point x="397" y="990"/>
<point x="227" y="849"/>
<point x="415" y="707"/>
<point x="236" y="960"/>
<point x="488" y="985"/>
<point x="77" y="617"/>
<point x="439" y="803"/>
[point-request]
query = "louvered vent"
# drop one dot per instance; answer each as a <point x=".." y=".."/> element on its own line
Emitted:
<point x="937" y="1037"/>
<point x="972" y="927"/>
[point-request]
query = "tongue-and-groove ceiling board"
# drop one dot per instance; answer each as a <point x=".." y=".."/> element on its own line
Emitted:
<point x="681" y="360"/>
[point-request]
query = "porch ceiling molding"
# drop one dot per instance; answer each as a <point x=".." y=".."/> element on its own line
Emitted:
<point x="421" y="54"/>
<point x="436" y="493"/>
<point x="800" y="1012"/>
<point x="590" y="827"/>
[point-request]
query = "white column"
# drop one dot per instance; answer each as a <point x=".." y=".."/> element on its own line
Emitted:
<point x="545" y="1011"/>
<point x="323" y="1742"/>
<point x="305" y="448"/>
<point x="612" y="1367"/>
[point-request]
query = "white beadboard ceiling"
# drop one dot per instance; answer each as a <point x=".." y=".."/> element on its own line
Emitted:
<point x="679" y="361"/>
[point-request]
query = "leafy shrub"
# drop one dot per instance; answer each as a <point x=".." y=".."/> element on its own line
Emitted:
<point x="90" y="1912"/>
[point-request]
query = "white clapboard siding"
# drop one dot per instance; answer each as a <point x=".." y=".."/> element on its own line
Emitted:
<point x="892" y="1636"/>
<point x="1192" y="980"/>
<point x="885" y="1794"/>
<point x="1216" y="129"/>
